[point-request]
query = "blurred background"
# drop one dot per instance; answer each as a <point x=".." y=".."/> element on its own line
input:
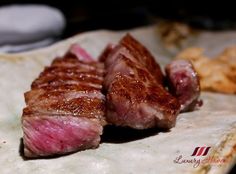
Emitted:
<point x="87" y="15"/>
<point x="65" y="18"/>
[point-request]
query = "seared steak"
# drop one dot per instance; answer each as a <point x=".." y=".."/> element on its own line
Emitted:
<point x="136" y="96"/>
<point x="65" y="108"/>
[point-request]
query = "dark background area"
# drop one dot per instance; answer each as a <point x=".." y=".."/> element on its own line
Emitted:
<point x="85" y="15"/>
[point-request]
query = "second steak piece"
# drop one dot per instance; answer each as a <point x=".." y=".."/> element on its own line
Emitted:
<point x="135" y="95"/>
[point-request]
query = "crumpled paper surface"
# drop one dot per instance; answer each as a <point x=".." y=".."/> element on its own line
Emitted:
<point x="214" y="125"/>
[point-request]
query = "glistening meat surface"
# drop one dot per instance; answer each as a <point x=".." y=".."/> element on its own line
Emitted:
<point x="65" y="108"/>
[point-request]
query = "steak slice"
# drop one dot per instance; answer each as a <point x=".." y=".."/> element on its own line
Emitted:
<point x="132" y="103"/>
<point x="64" y="109"/>
<point x="184" y="84"/>
<point x="135" y="97"/>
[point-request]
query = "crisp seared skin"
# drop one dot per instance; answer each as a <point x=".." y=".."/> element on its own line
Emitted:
<point x="65" y="108"/>
<point x="135" y="97"/>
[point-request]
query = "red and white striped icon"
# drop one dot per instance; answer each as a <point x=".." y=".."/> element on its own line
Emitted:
<point x="201" y="151"/>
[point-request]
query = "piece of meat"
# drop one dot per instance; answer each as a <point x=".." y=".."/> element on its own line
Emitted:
<point x="80" y="53"/>
<point x="37" y="95"/>
<point x="135" y="96"/>
<point x="125" y="64"/>
<point x="65" y="108"/>
<point x="132" y="103"/>
<point x="70" y="61"/>
<point x="46" y="135"/>
<point x="138" y="51"/>
<point x="70" y="71"/>
<point x="143" y="56"/>
<point x="76" y="70"/>
<point x="183" y="83"/>
<point x="57" y="80"/>
<point x="105" y="53"/>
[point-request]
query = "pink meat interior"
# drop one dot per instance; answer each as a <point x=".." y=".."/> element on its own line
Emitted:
<point x="53" y="135"/>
